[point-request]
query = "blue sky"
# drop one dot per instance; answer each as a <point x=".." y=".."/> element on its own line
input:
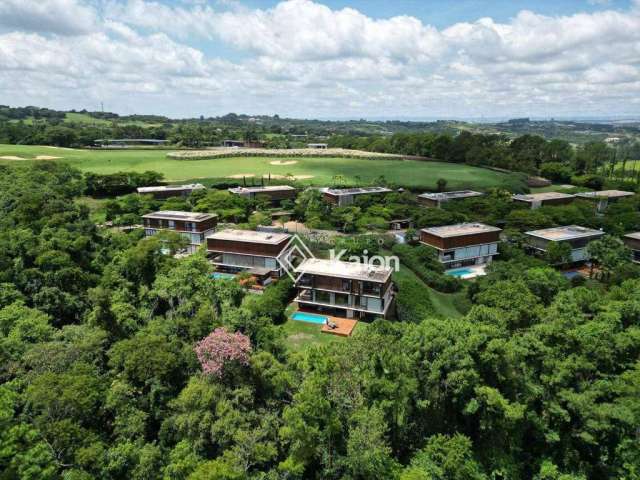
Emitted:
<point x="334" y="58"/>
<point x="443" y="13"/>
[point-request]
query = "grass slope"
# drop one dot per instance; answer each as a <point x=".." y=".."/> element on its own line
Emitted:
<point x="407" y="173"/>
<point x="446" y="305"/>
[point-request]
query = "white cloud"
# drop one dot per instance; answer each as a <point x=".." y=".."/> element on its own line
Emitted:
<point x="64" y="17"/>
<point x="303" y="58"/>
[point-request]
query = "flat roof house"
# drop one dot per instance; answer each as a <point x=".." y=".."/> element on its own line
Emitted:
<point x="463" y="244"/>
<point x="537" y="200"/>
<point x="437" y="199"/>
<point x="318" y="145"/>
<point x="344" y="289"/>
<point x="575" y="236"/>
<point x="259" y="253"/>
<point x="233" y="143"/>
<point x="275" y="193"/>
<point x="193" y="226"/>
<point x="346" y="196"/>
<point x="166" y="191"/>
<point x="632" y="241"/>
<point x="605" y="197"/>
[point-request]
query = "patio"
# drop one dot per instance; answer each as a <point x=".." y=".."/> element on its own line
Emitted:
<point x="344" y="326"/>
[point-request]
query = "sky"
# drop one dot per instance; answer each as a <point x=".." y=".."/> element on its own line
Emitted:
<point x="324" y="59"/>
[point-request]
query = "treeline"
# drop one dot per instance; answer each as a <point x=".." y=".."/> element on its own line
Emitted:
<point x="70" y="134"/>
<point x="557" y="159"/>
<point x="23" y="113"/>
<point x="119" y="183"/>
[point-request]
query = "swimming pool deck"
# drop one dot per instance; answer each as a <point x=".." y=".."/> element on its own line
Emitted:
<point x="344" y="326"/>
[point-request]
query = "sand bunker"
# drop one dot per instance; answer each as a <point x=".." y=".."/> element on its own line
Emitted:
<point x="284" y="162"/>
<point x="241" y="175"/>
<point x="39" y="157"/>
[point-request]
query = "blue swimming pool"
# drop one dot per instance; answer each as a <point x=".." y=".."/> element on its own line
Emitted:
<point x="459" y="272"/>
<point x="222" y="275"/>
<point x="309" y="317"/>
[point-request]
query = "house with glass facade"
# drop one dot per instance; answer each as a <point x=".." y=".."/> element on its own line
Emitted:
<point x="575" y="236"/>
<point x="259" y="253"/>
<point x="463" y="244"/>
<point x="193" y="226"/>
<point x="344" y="289"/>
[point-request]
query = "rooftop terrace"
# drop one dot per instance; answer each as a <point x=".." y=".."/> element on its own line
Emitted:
<point x="261" y="188"/>
<point x="177" y="215"/>
<point x="451" y="195"/>
<point x="340" y="269"/>
<point x="569" y="232"/>
<point x="460" y="229"/>
<point x="169" y="188"/>
<point x="540" y="197"/>
<point x="605" y="194"/>
<point x="250" y="236"/>
<point x="356" y="191"/>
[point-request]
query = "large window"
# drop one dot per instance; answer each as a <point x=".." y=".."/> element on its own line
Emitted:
<point x="341" y="299"/>
<point x="323" y="297"/>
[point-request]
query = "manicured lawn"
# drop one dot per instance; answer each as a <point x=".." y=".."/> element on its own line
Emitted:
<point x="300" y="335"/>
<point x="410" y="173"/>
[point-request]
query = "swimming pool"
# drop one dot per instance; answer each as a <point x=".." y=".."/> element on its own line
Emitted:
<point x="309" y="317"/>
<point x="222" y="275"/>
<point x="459" y="272"/>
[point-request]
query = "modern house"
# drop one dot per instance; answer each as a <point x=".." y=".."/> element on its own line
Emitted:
<point x="193" y="226"/>
<point x="274" y="193"/>
<point x="632" y="241"/>
<point x="437" y="199"/>
<point x="166" y="191"/>
<point x="605" y="197"/>
<point x="259" y="253"/>
<point x="463" y="244"/>
<point x="321" y="146"/>
<point x="344" y="289"/>
<point x="543" y="199"/>
<point x="233" y="143"/>
<point x="575" y="236"/>
<point x="346" y="196"/>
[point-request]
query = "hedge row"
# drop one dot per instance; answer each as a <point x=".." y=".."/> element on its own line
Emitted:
<point x="282" y="152"/>
<point x="427" y="268"/>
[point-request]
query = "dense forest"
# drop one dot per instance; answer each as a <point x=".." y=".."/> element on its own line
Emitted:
<point x="120" y="362"/>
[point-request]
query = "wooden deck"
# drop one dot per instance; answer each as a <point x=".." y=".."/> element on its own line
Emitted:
<point x="344" y="326"/>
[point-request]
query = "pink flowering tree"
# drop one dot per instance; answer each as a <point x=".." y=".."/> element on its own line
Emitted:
<point x="220" y="348"/>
